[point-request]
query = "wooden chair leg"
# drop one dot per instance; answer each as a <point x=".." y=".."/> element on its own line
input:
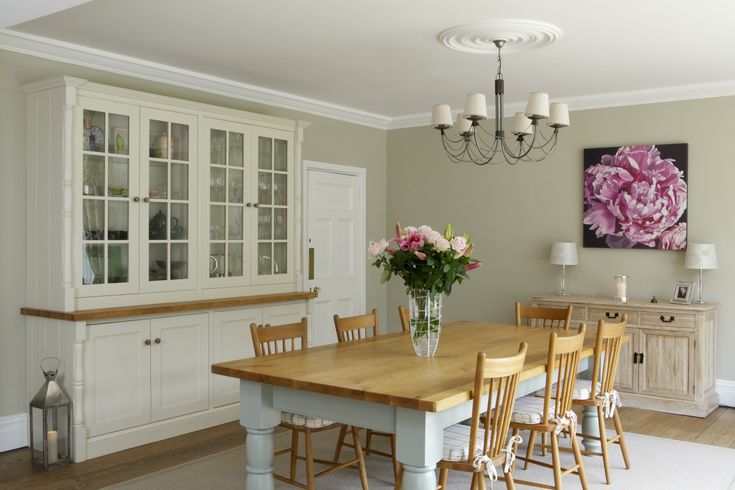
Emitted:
<point x="544" y="443"/>
<point x="473" y="483"/>
<point x="399" y="484"/>
<point x="556" y="461"/>
<point x="515" y="448"/>
<point x="368" y="441"/>
<point x="360" y="458"/>
<point x="309" y="461"/>
<point x="481" y="480"/>
<point x="580" y="462"/>
<point x="443" y="474"/>
<point x="396" y="464"/>
<point x="509" y="483"/>
<point x="294" y="452"/>
<point x="603" y="444"/>
<point x="529" y="450"/>
<point x="621" y="440"/>
<point x="340" y="443"/>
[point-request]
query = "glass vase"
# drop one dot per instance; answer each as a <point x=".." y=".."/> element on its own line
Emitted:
<point x="424" y="314"/>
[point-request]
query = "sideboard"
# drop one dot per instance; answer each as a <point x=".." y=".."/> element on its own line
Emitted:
<point x="669" y="363"/>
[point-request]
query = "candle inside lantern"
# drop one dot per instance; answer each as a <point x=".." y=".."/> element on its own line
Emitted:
<point x="621" y="286"/>
<point x="53" y="446"/>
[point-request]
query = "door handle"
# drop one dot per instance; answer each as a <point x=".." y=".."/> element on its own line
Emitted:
<point x="611" y="316"/>
<point x="311" y="263"/>
<point x="640" y="359"/>
<point x="635" y="358"/>
<point x="663" y="319"/>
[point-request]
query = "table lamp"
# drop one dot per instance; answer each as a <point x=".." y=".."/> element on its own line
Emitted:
<point x="563" y="254"/>
<point x="701" y="256"/>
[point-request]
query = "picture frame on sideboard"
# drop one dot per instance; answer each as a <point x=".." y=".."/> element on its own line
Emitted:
<point x="682" y="292"/>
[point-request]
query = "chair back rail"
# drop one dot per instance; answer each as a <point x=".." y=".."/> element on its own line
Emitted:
<point x="279" y="338"/>
<point x="403" y="314"/>
<point x="501" y="377"/>
<point x="563" y="357"/>
<point x="543" y="316"/>
<point x="357" y="327"/>
<point x="607" y="354"/>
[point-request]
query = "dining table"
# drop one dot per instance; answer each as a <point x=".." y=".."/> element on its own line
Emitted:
<point x="379" y="383"/>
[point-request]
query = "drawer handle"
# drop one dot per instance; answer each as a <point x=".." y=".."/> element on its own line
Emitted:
<point x="640" y="358"/>
<point x="663" y="319"/>
<point x="635" y="358"/>
<point x="612" y="317"/>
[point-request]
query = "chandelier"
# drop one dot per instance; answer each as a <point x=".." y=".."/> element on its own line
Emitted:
<point x="475" y="144"/>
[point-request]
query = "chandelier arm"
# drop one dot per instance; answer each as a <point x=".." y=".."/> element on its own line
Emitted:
<point x="484" y="142"/>
<point x="544" y="141"/>
<point x="455" y="154"/>
<point x="488" y="154"/>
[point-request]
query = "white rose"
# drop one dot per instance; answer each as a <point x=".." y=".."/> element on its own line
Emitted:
<point x="442" y="244"/>
<point x="434" y="237"/>
<point x="425" y="230"/>
<point x="409" y="229"/>
<point x="377" y="248"/>
<point x="459" y="244"/>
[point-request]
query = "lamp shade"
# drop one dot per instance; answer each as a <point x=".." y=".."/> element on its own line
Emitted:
<point x="463" y="125"/>
<point x="563" y="253"/>
<point x="701" y="256"/>
<point x="538" y="105"/>
<point x="521" y="124"/>
<point x="558" y="115"/>
<point x="475" y="107"/>
<point x="441" y="116"/>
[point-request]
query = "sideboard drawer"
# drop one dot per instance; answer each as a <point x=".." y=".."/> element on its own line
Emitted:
<point x="612" y="315"/>
<point x="579" y="313"/>
<point x="668" y="319"/>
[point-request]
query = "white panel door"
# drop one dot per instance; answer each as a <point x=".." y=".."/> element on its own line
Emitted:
<point x="230" y="341"/>
<point x="179" y="365"/>
<point x="118" y="387"/>
<point x="335" y="249"/>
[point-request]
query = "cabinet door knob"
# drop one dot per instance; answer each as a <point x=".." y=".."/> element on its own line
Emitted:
<point x="255" y="205"/>
<point x="146" y="199"/>
<point x="147" y="342"/>
<point x="611" y="316"/>
<point x="663" y="318"/>
<point x="249" y="205"/>
<point x="136" y="199"/>
<point x="640" y="358"/>
<point x="158" y="341"/>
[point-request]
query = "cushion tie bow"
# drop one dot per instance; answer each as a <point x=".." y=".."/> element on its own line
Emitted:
<point x="492" y="472"/>
<point x="569" y="419"/>
<point x="610" y="400"/>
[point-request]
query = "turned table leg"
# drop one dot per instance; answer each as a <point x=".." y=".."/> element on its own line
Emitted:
<point x="259" y="417"/>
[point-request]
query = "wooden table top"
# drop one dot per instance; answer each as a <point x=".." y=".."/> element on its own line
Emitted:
<point x="386" y="370"/>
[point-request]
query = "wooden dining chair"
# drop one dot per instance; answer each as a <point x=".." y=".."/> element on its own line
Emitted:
<point x="278" y="339"/>
<point x="543" y="316"/>
<point x="476" y="449"/>
<point x="356" y="328"/>
<point x="602" y="394"/>
<point x="552" y="413"/>
<point x="403" y="314"/>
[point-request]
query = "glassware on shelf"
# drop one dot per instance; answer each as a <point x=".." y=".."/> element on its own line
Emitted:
<point x="180" y="181"/>
<point x="235" y="185"/>
<point x="280" y="254"/>
<point x="265" y="259"/>
<point x="158" y="180"/>
<point x="179" y="261"/>
<point x="234" y="225"/>
<point x="216" y="260"/>
<point x="237" y="149"/>
<point x="93" y="219"/>
<point x="179" y="142"/>
<point x="280" y="155"/>
<point x="217" y="184"/>
<point x="93" y="175"/>
<point x="234" y="259"/>
<point x="157" y="262"/>
<point x="265" y="224"/>
<point x="280" y="188"/>
<point x="117" y="220"/>
<point x="118" y="177"/>
<point x="280" y="217"/>
<point x="93" y="134"/>
<point x="117" y="263"/>
<point x="265" y="153"/>
<point x="217" y="146"/>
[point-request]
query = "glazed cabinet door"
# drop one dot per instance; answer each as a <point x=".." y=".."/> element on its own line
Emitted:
<point x="227" y="203"/>
<point x="626" y="379"/>
<point x="107" y="198"/>
<point x="117" y="367"/>
<point x="167" y="213"/>
<point x="231" y="340"/>
<point x="273" y="190"/>
<point x="179" y="365"/>
<point x="667" y="366"/>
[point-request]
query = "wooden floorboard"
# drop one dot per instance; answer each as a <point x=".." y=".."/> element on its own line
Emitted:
<point x="717" y="429"/>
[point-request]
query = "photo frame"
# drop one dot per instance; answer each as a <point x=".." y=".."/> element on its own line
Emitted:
<point x="682" y="292"/>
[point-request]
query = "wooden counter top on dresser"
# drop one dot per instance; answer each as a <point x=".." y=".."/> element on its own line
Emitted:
<point x="669" y="364"/>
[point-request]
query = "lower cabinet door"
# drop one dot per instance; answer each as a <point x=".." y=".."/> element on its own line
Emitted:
<point x="118" y="376"/>
<point x="667" y="365"/>
<point x="179" y="365"/>
<point x="627" y="376"/>
<point x="230" y="341"/>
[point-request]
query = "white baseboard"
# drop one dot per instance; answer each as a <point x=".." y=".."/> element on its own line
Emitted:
<point x="726" y="390"/>
<point x="13" y="431"/>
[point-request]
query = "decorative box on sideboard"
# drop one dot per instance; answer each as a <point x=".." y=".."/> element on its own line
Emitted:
<point x="669" y="363"/>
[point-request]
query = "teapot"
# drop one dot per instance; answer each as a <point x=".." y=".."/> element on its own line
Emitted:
<point x="157" y="226"/>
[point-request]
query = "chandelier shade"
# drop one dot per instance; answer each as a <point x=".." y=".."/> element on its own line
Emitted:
<point x="474" y="143"/>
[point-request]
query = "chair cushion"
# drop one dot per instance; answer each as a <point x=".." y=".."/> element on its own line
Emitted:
<point x="304" y="420"/>
<point x="530" y="410"/>
<point x="457" y="442"/>
<point x="582" y="390"/>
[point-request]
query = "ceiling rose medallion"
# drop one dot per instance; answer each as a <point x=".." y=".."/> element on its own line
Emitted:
<point x="471" y="144"/>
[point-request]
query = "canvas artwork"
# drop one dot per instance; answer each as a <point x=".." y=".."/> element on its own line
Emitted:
<point x="636" y="197"/>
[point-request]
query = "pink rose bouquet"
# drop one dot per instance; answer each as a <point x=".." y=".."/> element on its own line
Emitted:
<point x="424" y="258"/>
<point x="636" y="197"/>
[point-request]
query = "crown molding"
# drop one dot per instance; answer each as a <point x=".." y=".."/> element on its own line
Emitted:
<point x="134" y="67"/>
<point x="601" y="101"/>
<point x="75" y="54"/>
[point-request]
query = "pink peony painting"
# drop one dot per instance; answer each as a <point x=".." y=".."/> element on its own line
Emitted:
<point x="636" y="197"/>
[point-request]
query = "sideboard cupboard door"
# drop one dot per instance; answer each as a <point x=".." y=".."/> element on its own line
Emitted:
<point x="230" y="341"/>
<point x="117" y="364"/>
<point x="667" y="365"/>
<point x="168" y="200"/>
<point x="179" y="365"/>
<point x="627" y="376"/>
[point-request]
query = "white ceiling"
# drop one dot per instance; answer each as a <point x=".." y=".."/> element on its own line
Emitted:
<point x="383" y="56"/>
<point x="14" y="12"/>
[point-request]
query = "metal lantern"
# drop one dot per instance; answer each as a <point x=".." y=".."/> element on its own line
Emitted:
<point x="50" y="417"/>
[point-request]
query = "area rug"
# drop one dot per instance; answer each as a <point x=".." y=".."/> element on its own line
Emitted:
<point x="657" y="464"/>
